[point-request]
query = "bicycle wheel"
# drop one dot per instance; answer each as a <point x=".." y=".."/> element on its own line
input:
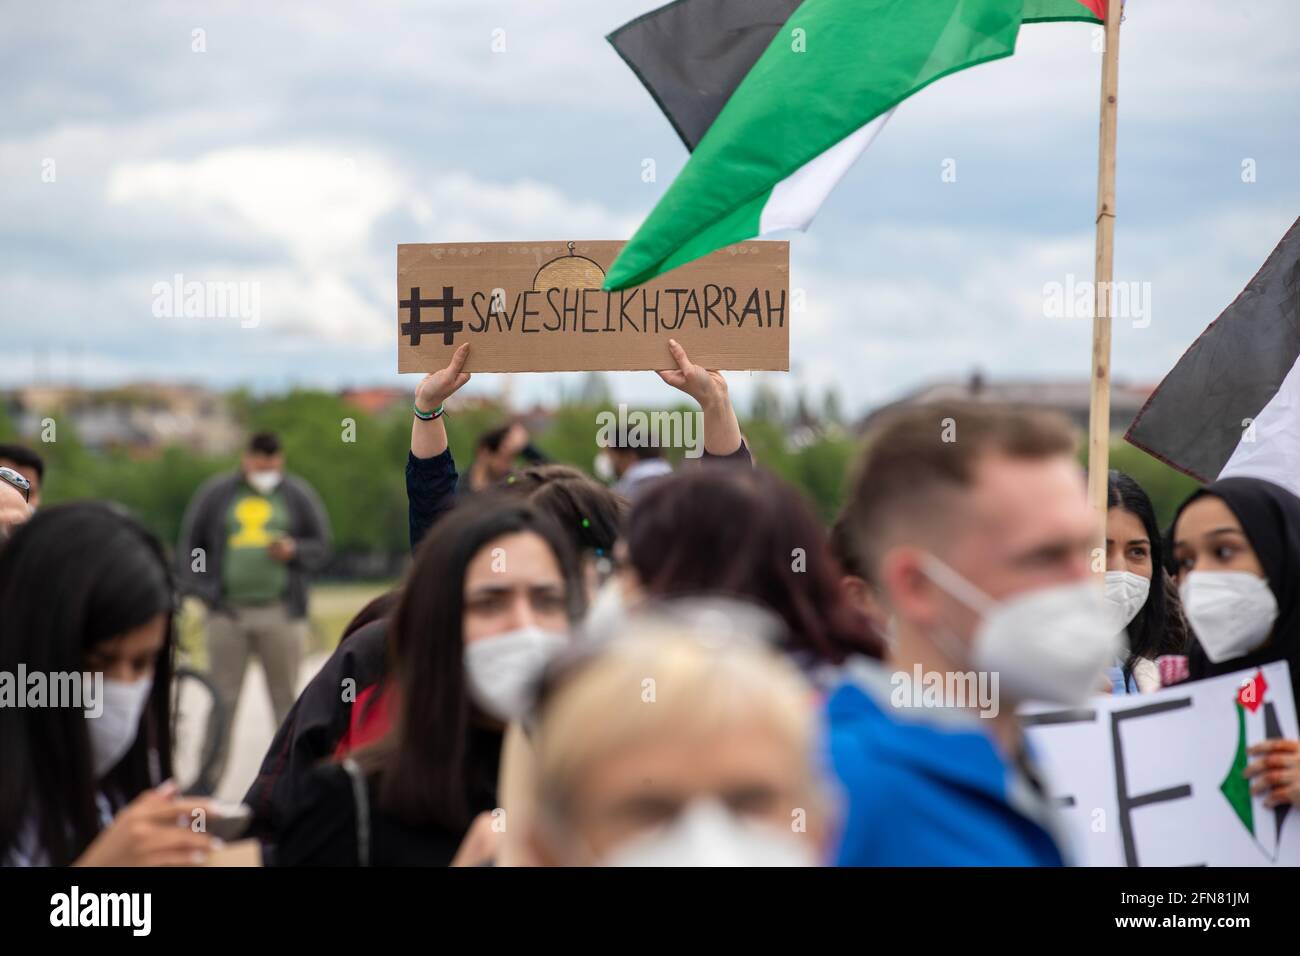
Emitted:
<point x="197" y="731"/>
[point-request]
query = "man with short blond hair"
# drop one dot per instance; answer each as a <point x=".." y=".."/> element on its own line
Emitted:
<point x="974" y="524"/>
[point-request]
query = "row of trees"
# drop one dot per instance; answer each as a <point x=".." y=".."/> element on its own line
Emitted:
<point x="355" y="461"/>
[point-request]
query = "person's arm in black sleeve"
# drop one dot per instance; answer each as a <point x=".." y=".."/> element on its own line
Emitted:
<point x="323" y="830"/>
<point x="533" y="455"/>
<point x="311" y="542"/>
<point x="430" y="470"/>
<point x="193" y="574"/>
<point x="430" y="491"/>
<point x="740" y="457"/>
<point x="312" y="730"/>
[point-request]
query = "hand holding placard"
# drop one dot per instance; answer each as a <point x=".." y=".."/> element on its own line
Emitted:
<point x="429" y="436"/>
<point x="539" y="307"/>
<point x="708" y="388"/>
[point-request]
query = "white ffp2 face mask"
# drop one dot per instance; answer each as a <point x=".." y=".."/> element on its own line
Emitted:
<point x="607" y="612"/>
<point x="264" y="482"/>
<point x="708" y="834"/>
<point x="1126" y="595"/>
<point x="1231" y="612"/>
<point x="114" y="731"/>
<point x="603" y="467"/>
<point x="1052" y="644"/>
<point x="503" y="670"/>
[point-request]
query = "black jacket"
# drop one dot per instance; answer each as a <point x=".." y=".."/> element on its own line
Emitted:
<point x="320" y="717"/>
<point x="313" y="728"/>
<point x="324" y="830"/>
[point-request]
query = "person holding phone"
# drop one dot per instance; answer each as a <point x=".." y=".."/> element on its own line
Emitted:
<point x="85" y="592"/>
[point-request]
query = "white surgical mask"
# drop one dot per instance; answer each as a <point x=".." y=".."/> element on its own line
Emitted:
<point x="264" y="482"/>
<point x="708" y="834"/>
<point x="503" y="670"/>
<point x="114" y="731"/>
<point x="1052" y="644"/>
<point x="608" y="610"/>
<point x="1232" y="612"/>
<point x="1126" y="594"/>
<point x="603" y="466"/>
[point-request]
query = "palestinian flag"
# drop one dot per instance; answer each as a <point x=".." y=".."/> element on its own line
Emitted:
<point x="1256" y="721"/>
<point x="1231" y="406"/>
<point x="778" y="99"/>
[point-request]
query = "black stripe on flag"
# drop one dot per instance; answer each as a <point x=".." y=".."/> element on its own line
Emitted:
<point x="1194" y="419"/>
<point x="692" y="54"/>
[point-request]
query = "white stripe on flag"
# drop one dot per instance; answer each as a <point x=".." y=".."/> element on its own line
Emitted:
<point x="1270" y="446"/>
<point x="795" y="200"/>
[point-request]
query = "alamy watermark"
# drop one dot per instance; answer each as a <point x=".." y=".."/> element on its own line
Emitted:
<point x="973" y="690"/>
<point x="1077" y="299"/>
<point x="179" y="299"/>
<point x="133" y="911"/>
<point x="60" y="689"/>
<point x="638" y="429"/>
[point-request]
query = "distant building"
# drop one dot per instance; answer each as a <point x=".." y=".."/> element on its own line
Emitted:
<point x="376" y="401"/>
<point x="1072" y="398"/>
<point x="141" y="418"/>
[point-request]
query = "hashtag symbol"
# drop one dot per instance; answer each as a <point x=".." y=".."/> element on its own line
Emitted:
<point x="447" y="326"/>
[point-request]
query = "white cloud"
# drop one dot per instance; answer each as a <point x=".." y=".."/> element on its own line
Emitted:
<point x="319" y="211"/>
<point x="310" y="139"/>
<point x="321" y="203"/>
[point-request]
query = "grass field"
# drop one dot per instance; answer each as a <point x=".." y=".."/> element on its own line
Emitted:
<point x="330" y="609"/>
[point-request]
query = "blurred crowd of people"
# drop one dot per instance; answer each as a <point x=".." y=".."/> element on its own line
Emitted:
<point x="685" y="668"/>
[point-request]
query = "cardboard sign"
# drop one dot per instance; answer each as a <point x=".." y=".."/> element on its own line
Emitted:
<point x="538" y="307"/>
<point x="1155" y="779"/>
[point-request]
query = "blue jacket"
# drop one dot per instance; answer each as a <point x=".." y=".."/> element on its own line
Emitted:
<point x="929" y="788"/>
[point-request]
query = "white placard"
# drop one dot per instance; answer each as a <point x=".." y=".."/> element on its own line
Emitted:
<point x="1141" y="778"/>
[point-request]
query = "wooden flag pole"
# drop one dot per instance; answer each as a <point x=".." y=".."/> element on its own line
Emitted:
<point x="1099" y="410"/>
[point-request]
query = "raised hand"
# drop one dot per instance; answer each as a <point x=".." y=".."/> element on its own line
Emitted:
<point x="707" y="387"/>
<point x="436" y="387"/>
<point x="429" y="438"/>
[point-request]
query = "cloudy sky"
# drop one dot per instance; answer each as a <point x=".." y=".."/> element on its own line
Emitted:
<point x="306" y="140"/>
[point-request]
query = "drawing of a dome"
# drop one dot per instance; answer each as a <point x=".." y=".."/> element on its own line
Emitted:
<point x="569" y="272"/>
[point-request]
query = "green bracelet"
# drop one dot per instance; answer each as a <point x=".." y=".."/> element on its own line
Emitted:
<point x="427" y="416"/>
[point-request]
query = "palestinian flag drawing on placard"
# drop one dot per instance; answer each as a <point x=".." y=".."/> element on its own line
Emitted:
<point x="1231" y="406"/>
<point x="1256" y="721"/>
<point x="778" y="98"/>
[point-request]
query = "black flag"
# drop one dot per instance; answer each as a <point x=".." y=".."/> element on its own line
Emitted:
<point x="1231" y="406"/>
<point x="692" y="54"/>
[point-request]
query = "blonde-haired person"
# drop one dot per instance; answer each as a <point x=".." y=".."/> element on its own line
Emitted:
<point x="677" y="745"/>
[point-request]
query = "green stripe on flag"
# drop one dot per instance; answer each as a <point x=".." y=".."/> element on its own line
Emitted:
<point x="856" y="60"/>
<point x="1235" y="787"/>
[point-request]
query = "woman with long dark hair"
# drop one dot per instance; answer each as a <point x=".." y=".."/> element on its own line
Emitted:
<point x="491" y="596"/>
<point x="1138" y="589"/>
<point x="744" y="533"/>
<point x="324" y="723"/>
<point x="86" y="599"/>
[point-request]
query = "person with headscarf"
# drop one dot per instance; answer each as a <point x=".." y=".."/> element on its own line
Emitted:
<point x="1236" y="549"/>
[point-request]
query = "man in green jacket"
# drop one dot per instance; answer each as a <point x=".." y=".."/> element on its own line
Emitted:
<point x="247" y="543"/>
